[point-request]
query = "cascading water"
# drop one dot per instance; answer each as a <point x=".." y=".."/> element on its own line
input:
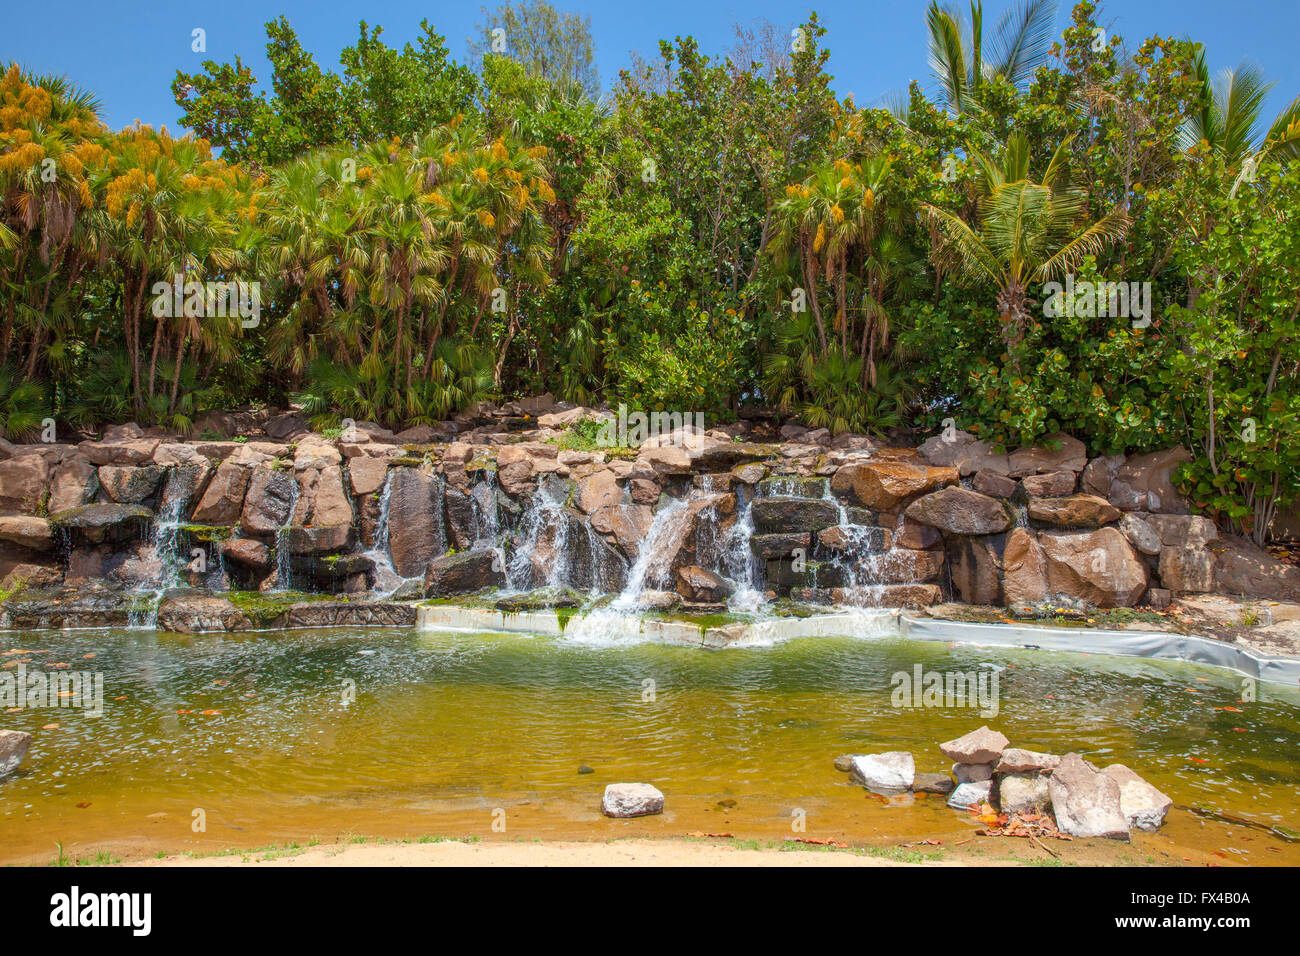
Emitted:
<point x="665" y="526"/>
<point x="283" y="557"/>
<point x="164" y="542"/>
<point x="387" y="580"/>
<point x="545" y="525"/>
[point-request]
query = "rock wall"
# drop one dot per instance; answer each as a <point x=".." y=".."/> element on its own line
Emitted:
<point x="495" y="502"/>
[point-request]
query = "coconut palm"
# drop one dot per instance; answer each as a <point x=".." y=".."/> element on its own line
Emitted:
<point x="1229" y="115"/>
<point x="1027" y="231"/>
<point x="962" y="62"/>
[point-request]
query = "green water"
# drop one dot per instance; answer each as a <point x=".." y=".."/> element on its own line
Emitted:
<point x="401" y="733"/>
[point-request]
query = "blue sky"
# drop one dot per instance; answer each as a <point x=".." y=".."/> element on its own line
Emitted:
<point x="129" y="56"/>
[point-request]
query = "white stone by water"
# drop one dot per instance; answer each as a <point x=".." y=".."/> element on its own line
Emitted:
<point x="631" y="800"/>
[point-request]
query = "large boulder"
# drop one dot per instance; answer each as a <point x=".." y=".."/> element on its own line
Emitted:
<point x="223" y="499"/>
<point x="191" y="612"/>
<point x="73" y="483"/>
<point x="627" y="524"/>
<point x="782" y="515"/>
<point x="1242" y="568"/>
<point x="367" y="475"/>
<point x="782" y="545"/>
<point x="1017" y="760"/>
<point x="1144" y="807"/>
<point x="1139" y="534"/>
<point x="957" y="510"/>
<point x="1099" y="568"/>
<point x="975" y="565"/>
<point x="1059" y="452"/>
<point x="268" y="502"/>
<point x="28" y="531"/>
<point x="130" y="484"/>
<point x="104" y="522"/>
<point x="701" y="585"/>
<point x="13" y="747"/>
<point x="1024" y="567"/>
<point x="1085" y="801"/>
<point x="23" y="481"/>
<point x="904" y="566"/>
<point x="136" y="452"/>
<point x="599" y="490"/>
<point x="248" y="553"/>
<point x="464" y="573"/>
<point x="1189" y="570"/>
<point x="1145" y="483"/>
<point x="895" y="770"/>
<point x="1075" y="511"/>
<point x="415" y="526"/>
<point x="960" y="450"/>
<point x="1023" y="793"/>
<point x="1054" y="484"/>
<point x="884" y="485"/>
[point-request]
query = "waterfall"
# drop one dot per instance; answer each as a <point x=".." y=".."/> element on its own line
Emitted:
<point x="666" y="524"/>
<point x="387" y="580"/>
<point x="543" y="522"/>
<point x="283" y="559"/>
<point x="163" y="541"/>
<point x="738" y="562"/>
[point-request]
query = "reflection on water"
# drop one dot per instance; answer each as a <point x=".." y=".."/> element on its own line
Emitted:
<point x="278" y="735"/>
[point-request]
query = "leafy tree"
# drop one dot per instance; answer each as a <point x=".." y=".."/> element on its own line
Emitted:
<point x="552" y="45"/>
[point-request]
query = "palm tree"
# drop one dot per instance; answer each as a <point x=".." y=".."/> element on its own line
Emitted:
<point x="1228" y="119"/>
<point x="1027" y="231"/>
<point x="961" y="62"/>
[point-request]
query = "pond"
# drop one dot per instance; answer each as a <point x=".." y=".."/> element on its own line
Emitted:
<point x="273" y="737"/>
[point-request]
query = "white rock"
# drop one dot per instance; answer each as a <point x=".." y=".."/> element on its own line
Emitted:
<point x="1143" y="806"/>
<point x="631" y="800"/>
<point x="970" y="794"/>
<point x="1023" y="792"/>
<point x="1015" y="760"/>
<point x="972" y="772"/>
<point x="13" y="745"/>
<point x="888" y="771"/>
<point x="1085" y="801"/>
<point x="978" y="746"/>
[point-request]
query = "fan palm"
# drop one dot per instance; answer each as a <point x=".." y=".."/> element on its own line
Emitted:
<point x="1027" y="231"/>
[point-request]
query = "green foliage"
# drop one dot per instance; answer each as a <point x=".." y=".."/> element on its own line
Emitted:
<point x="691" y="371"/>
<point x="23" y="405"/>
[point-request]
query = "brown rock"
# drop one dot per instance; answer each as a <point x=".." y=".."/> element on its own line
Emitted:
<point x="1076" y="511"/>
<point x="960" y="511"/>
<point x="367" y="475"/>
<point x="248" y="552"/>
<point x="883" y="486"/>
<point x="27" y="530"/>
<point x="223" y="501"/>
<point x="1054" y="484"/>
<point x="1024" y="570"/>
<point x="975" y="566"/>
<point x="996" y="485"/>
<point x="701" y="586"/>
<point x="22" y="484"/>
<point x="72" y="484"/>
<point x="599" y="490"/>
<point x="1144" y="483"/>
<point x="1097" y="567"/>
<point x="130" y="484"/>
<point x="1068" y="455"/>
<point x="978" y="746"/>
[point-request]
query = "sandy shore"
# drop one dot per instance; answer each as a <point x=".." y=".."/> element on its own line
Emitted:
<point x="621" y="853"/>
